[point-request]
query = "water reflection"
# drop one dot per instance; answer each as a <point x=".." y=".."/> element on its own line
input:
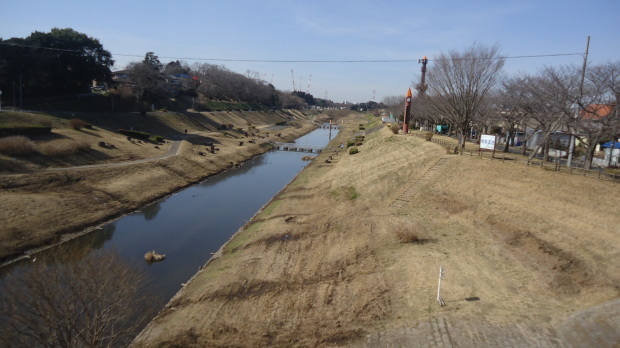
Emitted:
<point x="190" y="225"/>
<point x="150" y="211"/>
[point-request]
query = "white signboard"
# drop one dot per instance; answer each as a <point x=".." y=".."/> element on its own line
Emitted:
<point x="487" y="142"/>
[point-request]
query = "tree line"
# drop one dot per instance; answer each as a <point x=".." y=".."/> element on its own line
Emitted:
<point x="468" y="92"/>
<point x="65" y="62"/>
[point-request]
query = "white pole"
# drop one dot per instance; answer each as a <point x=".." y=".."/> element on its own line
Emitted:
<point x="439" y="299"/>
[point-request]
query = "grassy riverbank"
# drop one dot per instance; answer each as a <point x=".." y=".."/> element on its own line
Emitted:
<point x="349" y="253"/>
<point x="42" y="207"/>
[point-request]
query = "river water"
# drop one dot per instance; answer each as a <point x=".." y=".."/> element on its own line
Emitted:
<point x="192" y="224"/>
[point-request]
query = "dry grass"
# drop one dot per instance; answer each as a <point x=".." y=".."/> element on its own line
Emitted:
<point x="16" y="145"/>
<point x="64" y="148"/>
<point x="520" y="239"/>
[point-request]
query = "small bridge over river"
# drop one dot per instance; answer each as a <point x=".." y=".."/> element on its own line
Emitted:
<point x="297" y="147"/>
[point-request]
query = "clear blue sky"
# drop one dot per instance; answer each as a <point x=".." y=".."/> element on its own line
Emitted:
<point x="330" y="30"/>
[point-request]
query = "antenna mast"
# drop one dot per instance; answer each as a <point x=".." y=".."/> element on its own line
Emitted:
<point x="309" y="82"/>
<point x="293" y="76"/>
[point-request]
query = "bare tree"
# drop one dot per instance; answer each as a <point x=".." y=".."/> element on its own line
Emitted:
<point x="147" y="77"/>
<point x="510" y="115"/>
<point x="459" y="82"/>
<point x="550" y="101"/>
<point x="598" y="117"/>
<point x="95" y="301"/>
<point x="395" y="104"/>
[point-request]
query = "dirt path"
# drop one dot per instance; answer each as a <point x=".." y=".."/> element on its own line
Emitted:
<point x="173" y="150"/>
<point x="524" y="250"/>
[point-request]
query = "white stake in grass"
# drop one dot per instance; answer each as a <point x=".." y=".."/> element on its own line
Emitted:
<point x="439" y="299"/>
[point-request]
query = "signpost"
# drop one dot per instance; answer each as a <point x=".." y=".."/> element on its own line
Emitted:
<point x="487" y="142"/>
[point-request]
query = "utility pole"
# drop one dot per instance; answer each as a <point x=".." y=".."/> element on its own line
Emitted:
<point x="309" y="82"/>
<point x="571" y="146"/>
<point x="422" y="86"/>
<point x="293" y="76"/>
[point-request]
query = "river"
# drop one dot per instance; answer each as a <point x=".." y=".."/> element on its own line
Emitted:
<point x="192" y="224"/>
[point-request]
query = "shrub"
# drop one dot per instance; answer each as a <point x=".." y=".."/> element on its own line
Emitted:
<point x="157" y="138"/>
<point x="222" y="127"/>
<point x="16" y="145"/>
<point x="362" y="128"/>
<point x="452" y="149"/>
<point x="394" y="128"/>
<point x="428" y="136"/>
<point x="64" y="148"/>
<point x="135" y="134"/>
<point x="350" y="143"/>
<point x="76" y="124"/>
<point x="353" y="150"/>
<point x="230" y="126"/>
<point x="408" y="234"/>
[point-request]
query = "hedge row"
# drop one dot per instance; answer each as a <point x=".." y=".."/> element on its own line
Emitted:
<point x="142" y="135"/>
<point x="24" y="130"/>
<point x="135" y="134"/>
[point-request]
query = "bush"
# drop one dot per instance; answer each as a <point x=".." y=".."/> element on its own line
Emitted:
<point x="350" y="143"/>
<point x="428" y="136"/>
<point x="76" y="124"/>
<point x="64" y="148"/>
<point x="394" y="128"/>
<point x="222" y="127"/>
<point x="16" y="145"/>
<point x="353" y="150"/>
<point x="230" y="126"/>
<point x="408" y="234"/>
<point x="452" y="149"/>
<point x="135" y="134"/>
<point x="158" y="138"/>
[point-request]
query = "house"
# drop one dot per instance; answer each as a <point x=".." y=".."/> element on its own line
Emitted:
<point x="121" y="76"/>
<point x="595" y="112"/>
<point x="612" y="149"/>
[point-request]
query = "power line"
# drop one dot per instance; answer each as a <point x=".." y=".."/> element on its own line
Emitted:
<point x="303" y="61"/>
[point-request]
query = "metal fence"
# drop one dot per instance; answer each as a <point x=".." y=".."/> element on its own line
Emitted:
<point x="599" y="173"/>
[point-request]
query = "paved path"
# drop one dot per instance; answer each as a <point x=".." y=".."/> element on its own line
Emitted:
<point x="598" y="326"/>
